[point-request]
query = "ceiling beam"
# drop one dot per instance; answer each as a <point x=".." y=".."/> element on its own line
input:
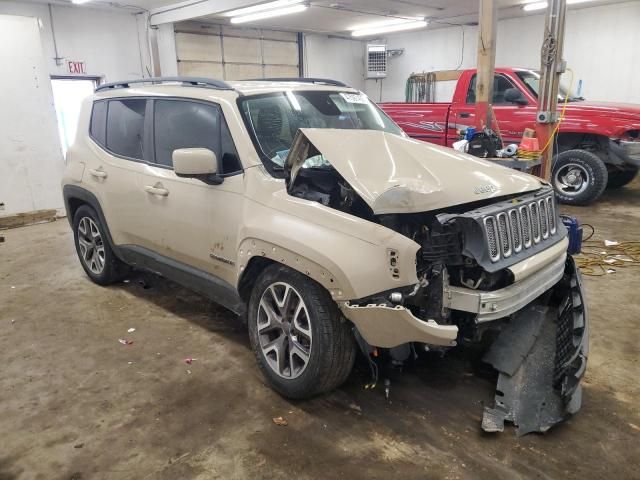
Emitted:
<point x="191" y="9"/>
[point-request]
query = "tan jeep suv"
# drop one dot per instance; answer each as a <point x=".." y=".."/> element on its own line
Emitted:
<point x="301" y="205"/>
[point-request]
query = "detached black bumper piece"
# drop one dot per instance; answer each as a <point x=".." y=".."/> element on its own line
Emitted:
<point x="541" y="357"/>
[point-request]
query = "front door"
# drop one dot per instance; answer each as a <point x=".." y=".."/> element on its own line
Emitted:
<point x="511" y="119"/>
<point x="186" y="219"/>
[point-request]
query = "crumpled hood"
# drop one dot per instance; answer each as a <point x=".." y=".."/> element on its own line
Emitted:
<point x="395" y="174"/>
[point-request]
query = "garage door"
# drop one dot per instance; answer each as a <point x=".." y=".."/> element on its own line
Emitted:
<point x="206" y="50"/>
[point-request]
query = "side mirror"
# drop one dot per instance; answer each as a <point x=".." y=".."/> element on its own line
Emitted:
<point x="513" y="95"/>
<point x="189" y="162"/>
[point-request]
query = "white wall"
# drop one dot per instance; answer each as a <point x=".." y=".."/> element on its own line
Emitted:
<point x="106" y="40"/>
<point x="600" y="47"/>
<point x="31" y="162"/>
<point x="110" y="45"/>
<point x="334" y="58"/>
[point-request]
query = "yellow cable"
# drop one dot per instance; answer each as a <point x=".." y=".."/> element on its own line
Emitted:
<point x="564" y="107"/>
<point x="596" y="258"/>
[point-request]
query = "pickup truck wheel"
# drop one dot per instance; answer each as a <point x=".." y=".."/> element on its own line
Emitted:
<point x="302" y="343"/>
<point x="619" y="178"/>
<point x="95" y="254"/>
<point x="579" y="177"/>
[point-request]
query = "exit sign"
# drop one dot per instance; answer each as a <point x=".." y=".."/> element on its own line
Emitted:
<point x="76" y="68"/>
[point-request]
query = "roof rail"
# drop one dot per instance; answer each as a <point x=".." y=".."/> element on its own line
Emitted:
<point x="187" y="81"/>
<point x="324" y="81"/>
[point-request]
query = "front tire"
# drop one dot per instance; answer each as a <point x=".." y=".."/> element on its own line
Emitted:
<point x="302" y="343"/>
<point x="579" y="177"/>
<point x="620" y="178"/>
<point x="94" y="251"/>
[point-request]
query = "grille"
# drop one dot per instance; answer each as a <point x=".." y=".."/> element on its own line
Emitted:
<point x="535" y="222"/>
<point x="517" y="229"/>
<point x="544" y="227"/>
<point x="503" y="231"/>
<point x="516" y="237"/>
<point x="492" y="237"/>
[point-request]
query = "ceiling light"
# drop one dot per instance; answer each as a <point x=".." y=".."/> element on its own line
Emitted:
<point x="396" y="27"/>
<point x="540" y="5"/>
<point x="268" y="14"/>
<point x="80" y="2"/>
<point x="260" y="8"/>
<point x="391" y="21"/>
<point x="529" y="7"/>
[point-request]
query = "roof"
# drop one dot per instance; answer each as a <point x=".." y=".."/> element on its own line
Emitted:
<point x="202" y="87"/>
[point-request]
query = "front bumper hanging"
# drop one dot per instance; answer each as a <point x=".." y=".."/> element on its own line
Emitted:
<point x="541" y="357"/>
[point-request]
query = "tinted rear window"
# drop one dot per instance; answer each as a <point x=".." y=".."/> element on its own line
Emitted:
<point x="98" y="127"/>
<point x="125" y="127"/>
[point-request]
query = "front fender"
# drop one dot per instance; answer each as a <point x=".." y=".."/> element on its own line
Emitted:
<point x="349" y="265"/>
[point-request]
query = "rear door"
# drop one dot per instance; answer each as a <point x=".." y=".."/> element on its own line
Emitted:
<point x="119" y="148"/>
<point x="186" y="219"/>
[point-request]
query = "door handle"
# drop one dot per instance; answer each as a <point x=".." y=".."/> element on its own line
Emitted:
<point x="464" y="114"/>
<point x="98" y="173"/>
<point x="156" y="189"/>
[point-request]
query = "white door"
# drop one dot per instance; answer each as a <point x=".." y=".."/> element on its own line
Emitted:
<point x="31" y="162"/>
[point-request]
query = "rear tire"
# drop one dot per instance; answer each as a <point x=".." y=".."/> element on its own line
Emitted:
<point x="93" y="248"/>
<point x="579" y="177"/>
<point x="301" y="341"/>
<point x="620" y="178"/>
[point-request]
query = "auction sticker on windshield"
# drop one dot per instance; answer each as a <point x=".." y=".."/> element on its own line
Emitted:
<point x="354" y="97"/>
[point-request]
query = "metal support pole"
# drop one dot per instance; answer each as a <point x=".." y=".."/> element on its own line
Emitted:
<point x="552" y="66"/>
<point x="486" y="63"/>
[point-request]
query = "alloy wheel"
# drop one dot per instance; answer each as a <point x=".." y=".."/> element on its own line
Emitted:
<point x="284" y="330"/>
<point x="91" y="245"/>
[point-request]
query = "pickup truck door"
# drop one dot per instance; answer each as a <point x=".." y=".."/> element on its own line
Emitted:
<point x="512" y="119"/>
<point x="186" y="219"/>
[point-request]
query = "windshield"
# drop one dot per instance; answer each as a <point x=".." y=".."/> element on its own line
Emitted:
<point x="532" y="80"/>
<point x="273" y="119"/>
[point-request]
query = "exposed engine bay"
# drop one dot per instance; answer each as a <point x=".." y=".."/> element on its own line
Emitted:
<point x="538" y="346"/>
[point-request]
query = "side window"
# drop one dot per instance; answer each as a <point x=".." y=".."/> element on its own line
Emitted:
<point x="125" y="127"/>
<point x="500" y="86"/>
<point x="98" y="127"/>
<point x="185" y="124"/>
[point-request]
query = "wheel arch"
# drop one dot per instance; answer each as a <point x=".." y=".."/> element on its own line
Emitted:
<point x="256" y="254"/>
<point x="74" y="198"/>
<point x="573" y="140"/>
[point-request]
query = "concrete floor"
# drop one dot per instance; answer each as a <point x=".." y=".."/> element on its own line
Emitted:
<point x="76" y="404"/>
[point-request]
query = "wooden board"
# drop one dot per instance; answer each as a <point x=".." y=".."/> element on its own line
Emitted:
<point x="29" y="218"/>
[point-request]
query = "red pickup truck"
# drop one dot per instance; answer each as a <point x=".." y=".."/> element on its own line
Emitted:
<point x="597" y="146"/>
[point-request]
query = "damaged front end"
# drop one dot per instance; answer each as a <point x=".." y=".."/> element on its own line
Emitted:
<point x="541" y="356"/>
<point x="493" y="270"/>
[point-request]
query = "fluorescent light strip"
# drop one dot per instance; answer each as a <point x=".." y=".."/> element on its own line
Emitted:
<point x="269" y="14"/>
<point x="540" y="5"/>
<point x="529" y="7"/>
<point x="260" y="8"/>
<point x="80" y="2"/>
<point x="390" y="28"/>
<point x="385" y="23"/>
